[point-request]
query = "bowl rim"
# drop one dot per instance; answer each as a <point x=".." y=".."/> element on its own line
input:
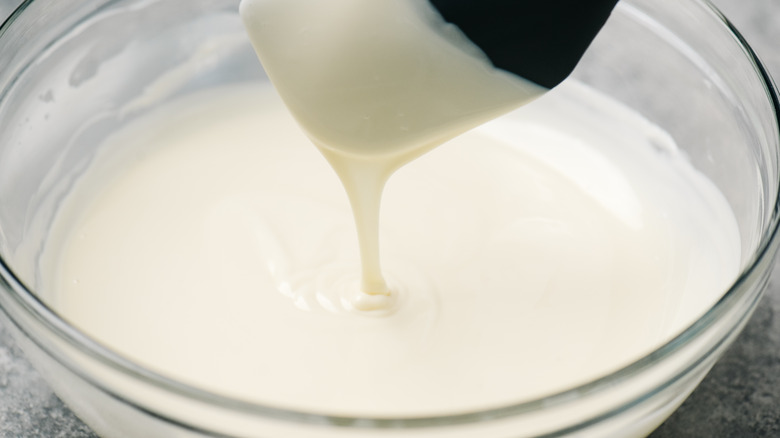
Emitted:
<point x="47" y="317"/>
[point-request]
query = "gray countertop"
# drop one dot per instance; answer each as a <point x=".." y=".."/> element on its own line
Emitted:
<point x="739" y="398"/>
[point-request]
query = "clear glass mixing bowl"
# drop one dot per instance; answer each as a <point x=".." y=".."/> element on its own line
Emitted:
<point x="73" y="71"/>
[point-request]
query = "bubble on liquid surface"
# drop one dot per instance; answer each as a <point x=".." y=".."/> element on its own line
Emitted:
<point x="335" y="287"/>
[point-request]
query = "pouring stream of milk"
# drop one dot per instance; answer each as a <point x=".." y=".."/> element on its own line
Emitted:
<point x="376" y="84"/>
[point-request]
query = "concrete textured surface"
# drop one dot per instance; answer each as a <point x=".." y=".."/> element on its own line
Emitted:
<point x="739" y="398"/>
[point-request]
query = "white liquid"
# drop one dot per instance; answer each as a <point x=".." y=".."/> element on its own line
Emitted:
<point x="212" y="243"/>
<point x="376" y="84"/>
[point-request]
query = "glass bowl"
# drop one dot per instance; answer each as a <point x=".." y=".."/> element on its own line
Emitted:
<point x="76" y="70"/>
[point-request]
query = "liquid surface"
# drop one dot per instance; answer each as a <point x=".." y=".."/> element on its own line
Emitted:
<point x="212" y="243"/>
<point x="376" y="84"/>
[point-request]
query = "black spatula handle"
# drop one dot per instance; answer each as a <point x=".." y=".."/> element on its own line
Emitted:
<point x="539" y="40"/>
